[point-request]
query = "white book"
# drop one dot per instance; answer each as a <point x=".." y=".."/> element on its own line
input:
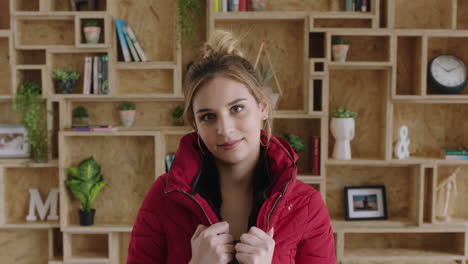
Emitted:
<point x="95" y="74"/>
<point x="225" y="5"/>
<point x="133" y="38"/>
<point x="236" y="5"/>
<point x="131" y="45"/>
<point x="87" y="75"/>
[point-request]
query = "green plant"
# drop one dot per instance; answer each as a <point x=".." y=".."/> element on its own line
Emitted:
<point x="65" y="75"/>
<point x="296" y="143"/>
<point x="177" y="112"/>
<point x="80" y="112"/>
<point x="91" y="23"/>
<point x="85" y="182"/>
<point x="264" y="74"/>
<point x="127" y="106"/>
<point x="339" y="40"/>
<point x="342" y="112"/>
<point x="29" y="103"/>
<point x="188" y="12"/>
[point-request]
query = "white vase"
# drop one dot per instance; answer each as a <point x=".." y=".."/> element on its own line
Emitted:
<point x="339" y="52"/>
<point x="127" y="117"/>
<point x="92" y="34"/>
<point x="343" y="131"/>
<point x="272" y="96"/>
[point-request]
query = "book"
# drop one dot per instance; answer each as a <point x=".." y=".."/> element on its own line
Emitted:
<point x="456" y="157"/>
<point x="87" y="75"/>
<point x="119" y="24"/>
<point x="236" y="6"/>
<point x="225" y="5"/>
<point x="215" y="5"/>
<point x="315" y="155"/>
<point x="99" y="85"/>
<point x="131" y="45"/>
<point x="99" y="128"/>
<point x="456" y="152"/>
<point x="105" y="74"/>
<point x="136" y="43"/>
<point x="243" y="5"/>
<point x="95" y="74"/>
<point x="230" y="5"/>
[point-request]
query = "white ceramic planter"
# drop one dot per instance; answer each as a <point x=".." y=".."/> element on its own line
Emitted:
<point x="272" y="96"/>
<point x="343" y="131"/>
<point x="127" y="117"/>
<point x="340" y="52"/>
<point x="92" y="34"/>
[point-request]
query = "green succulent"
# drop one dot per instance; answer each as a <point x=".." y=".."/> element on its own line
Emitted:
<point x="342" y="112"/>
<point x="177" y="112"/>
<point x="29" y="103"/>
<point x="295" y="141"/>
<point x="339" y="40"/>
<point x="91" y="23"/>
<point x="80" y="112"/>
<point x="65" y="75"/>
<point x="85" y="182"/>
<point x="128" y="106"/>
<point x="188" y="12"/>
<point x="264" y="74"/>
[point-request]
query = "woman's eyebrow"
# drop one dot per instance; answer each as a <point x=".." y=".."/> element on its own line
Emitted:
<point x="228" y="104"/>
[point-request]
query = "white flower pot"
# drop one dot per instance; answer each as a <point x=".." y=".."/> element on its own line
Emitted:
<point x="127" y="117"/>
<point x="343" y="131"/>
<point x="339" y="52"/>
<point x="92" y="34"/>
<point x="272" y="96"/>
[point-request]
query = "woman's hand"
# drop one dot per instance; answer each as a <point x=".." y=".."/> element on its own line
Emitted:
<point x="212" y="244"/>
<point x="255" y="247"/>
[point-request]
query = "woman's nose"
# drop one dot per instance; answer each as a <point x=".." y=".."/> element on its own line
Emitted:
<point x="224" y="126"/>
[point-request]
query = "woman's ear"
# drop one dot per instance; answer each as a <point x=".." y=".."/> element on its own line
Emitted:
<point x="264" y="107"/>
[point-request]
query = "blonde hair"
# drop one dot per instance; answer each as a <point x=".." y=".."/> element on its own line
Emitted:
<point x="221" y="57"/>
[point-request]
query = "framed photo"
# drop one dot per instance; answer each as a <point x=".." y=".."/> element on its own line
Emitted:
<point x="14" y="141"/>
<point x="365" y="203"/>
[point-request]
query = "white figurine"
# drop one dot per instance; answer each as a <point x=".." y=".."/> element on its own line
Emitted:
<point x="447" y="185"/>
<point x="36" y="202"/>
<point x="402" y="146"/>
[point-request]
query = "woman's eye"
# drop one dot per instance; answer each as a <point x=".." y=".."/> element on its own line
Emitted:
<point x="206" y="117"/>
<point x="237" y="108"/>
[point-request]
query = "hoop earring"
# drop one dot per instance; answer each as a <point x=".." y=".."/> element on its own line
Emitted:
<point x="199" y="145"/>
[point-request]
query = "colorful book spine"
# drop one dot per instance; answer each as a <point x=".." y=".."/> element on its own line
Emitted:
<point x="81" y="129"/>
<point x="364" y="5"/>
<point x="456" y="152"/>
<point x="99" y="85"/>
<point x="225" y="5"/>
<point x="105" y="74"/>
<point x="216" y="6"/>
<point x="456" y="157"/>
<point x="230" y="5"/>
<point x="315" y="155"/>
<point x="87" y="75"/>
<point x="95" y="75"/>
<point x="242" y="5"/>
<point x="119" y="24"/>
<point x="236" y="6"/>
<point x="131" y="45"/>
<point x="136" y="43"/>
<point x="357" y="7"/>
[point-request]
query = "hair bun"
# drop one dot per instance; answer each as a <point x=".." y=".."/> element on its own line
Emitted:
<point x="222" y="41"/>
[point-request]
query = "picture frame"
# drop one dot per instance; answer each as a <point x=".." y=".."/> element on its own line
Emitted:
<point x="14" y="142"/>
<point x="365" y="203"/>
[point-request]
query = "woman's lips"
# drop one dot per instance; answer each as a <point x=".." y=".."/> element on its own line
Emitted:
<point x="230" y="145"/>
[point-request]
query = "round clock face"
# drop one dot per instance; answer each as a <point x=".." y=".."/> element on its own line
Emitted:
<point x="448" y="70"/>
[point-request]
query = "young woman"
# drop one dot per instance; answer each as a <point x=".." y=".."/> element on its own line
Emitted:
<point x="231" y="195"/>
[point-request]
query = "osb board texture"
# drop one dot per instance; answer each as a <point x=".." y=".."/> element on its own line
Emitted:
<point x="402" y="244"/>
<point x="9" y="116"/>
<point x="124" y="241"/>
<point x="286" y="47"/>
<point x="74" y="61"/>
<point x="409" y="65"/>
<point x="431" y="127"/>
<point x="403" y="262"/>
<point x="128" y="166"/>
<point x="60" y="5"/>
<point x="46" y="32"/>
<point x="172" y="143"/>
<point x="153" y="22"/>
<point x="301" y="5"/>
<point x="423" y="14"/>
<point x="457" y="202"/>
<point x="342" y="23"/>
<point x="5" y="14"/>
<point x="91" y="245"/>
<point x="455" y="46"/>
<point x="364" y="92"/>
<point x="399" y="184"/>
<point x="30" y="57"/>
<point x="304" y="129"/>
<point x="462" y="14"/>
<point x="5" y="70"/>
<point x="27" y="5"/>
<point x="145" y="81"/>
<point x="149" y="114"/>
<point x="24" y="246"/>
<point x="368" y="48"/>
<point x="17" y="184"/>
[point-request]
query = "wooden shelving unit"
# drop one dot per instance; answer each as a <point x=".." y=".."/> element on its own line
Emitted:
<point x="383" y="80"/>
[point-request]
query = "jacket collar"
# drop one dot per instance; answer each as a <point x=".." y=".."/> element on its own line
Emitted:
<point x="188" y="159"/>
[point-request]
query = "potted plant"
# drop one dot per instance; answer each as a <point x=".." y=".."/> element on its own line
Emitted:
<point x="258" y="5"/>
<point x="340" y="47"/>
<point x="342" y="128"/>
<point x="29" y="103"/>
<point x="127" y="113"/>
<point x="177" y="115"/>
<point x="295" y="141"/>
<point x="85" y="182"/>
<point x="264" y="76"/>
<point x="92" y="31"/>
<point x="188" y="12"/>
<point x="80" y="116"/>
<point x="65" y="79"/>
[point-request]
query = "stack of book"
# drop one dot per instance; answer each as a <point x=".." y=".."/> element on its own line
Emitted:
<point x="455" y="154"/>
<point x="230" y="5"/>
<point x="128" y="43"/>
<point x="96" y="77"/>
<point x="357" y="5"/>
<point x="101" y="128"/>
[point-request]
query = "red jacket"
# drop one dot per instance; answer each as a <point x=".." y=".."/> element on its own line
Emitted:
<point x="170" y="214"/>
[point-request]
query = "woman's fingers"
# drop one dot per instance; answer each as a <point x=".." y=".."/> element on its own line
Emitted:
<point x="216" y="229"/>
<point x="250" y="239"/>
<point x="244" y="248"/>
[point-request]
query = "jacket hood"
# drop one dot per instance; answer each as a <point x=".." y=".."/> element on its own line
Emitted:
<point x="188" y="160"/>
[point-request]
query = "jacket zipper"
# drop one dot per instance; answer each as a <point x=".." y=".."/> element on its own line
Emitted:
<point x="199" y="205"/>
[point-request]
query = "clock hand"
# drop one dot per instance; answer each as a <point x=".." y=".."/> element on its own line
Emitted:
<point x="440" y="64"/>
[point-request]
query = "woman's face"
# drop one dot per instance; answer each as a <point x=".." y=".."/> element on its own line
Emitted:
<point x="228" y="119"/>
